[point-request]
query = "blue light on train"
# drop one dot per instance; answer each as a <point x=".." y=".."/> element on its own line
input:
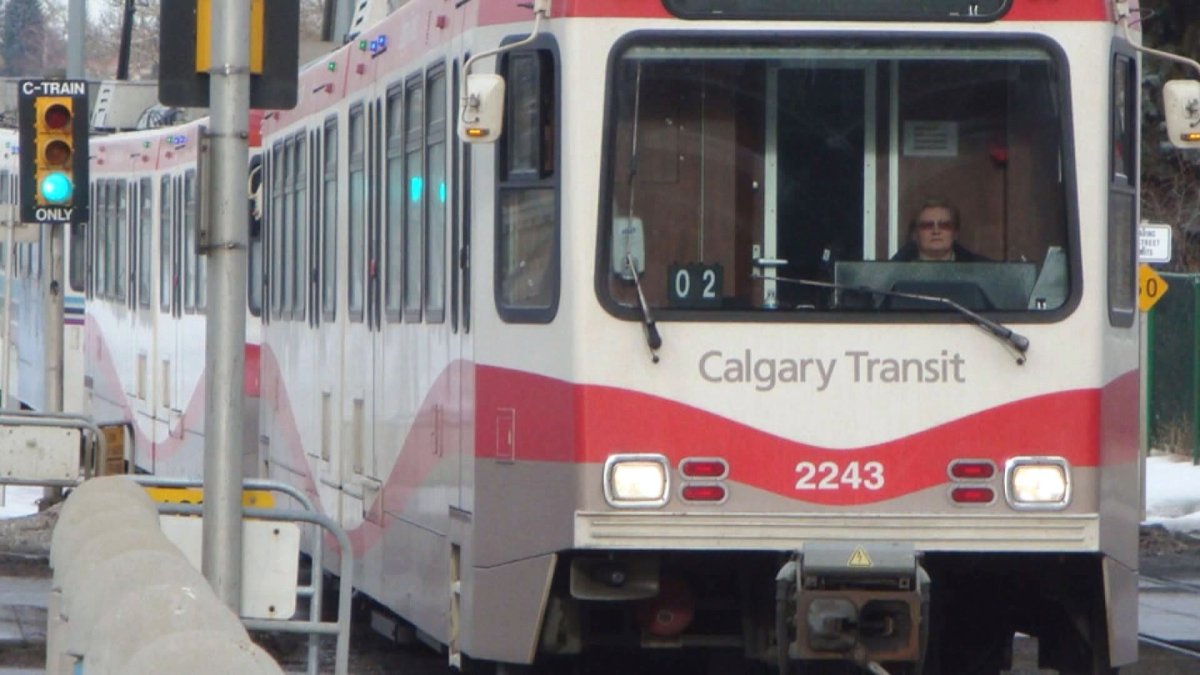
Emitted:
<point x="416" y="185"/>
<point x="379" y="45"/>
<point x="442" y="192"/>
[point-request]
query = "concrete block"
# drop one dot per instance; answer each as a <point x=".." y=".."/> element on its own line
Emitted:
<point x="146" y="614"/>
<point x="116" y="577"/>
<point x="200" y="652"/>
<point x="100" y="503"/>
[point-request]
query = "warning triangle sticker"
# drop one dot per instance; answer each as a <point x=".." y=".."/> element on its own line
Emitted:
<point x="859" y="558"/>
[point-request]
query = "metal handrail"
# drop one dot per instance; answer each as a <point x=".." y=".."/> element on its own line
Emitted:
<point x="58" y="420"/>
<point x="314" y="591"/>
<point x="342" y="625"/>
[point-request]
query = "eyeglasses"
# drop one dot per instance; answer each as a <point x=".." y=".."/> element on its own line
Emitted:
<point x="940" y="224"/>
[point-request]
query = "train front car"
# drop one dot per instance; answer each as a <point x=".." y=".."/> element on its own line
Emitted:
<point x="797" y="434"/>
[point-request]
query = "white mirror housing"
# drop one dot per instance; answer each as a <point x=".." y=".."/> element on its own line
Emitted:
<point x="481" y="119"/>
<point x="1181" y="105"/>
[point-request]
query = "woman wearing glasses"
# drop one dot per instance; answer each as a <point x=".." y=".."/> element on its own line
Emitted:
<point x="933" y="236"/>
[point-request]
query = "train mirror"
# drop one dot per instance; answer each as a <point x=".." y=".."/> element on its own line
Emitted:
<point x="481" y="119"/>
<point x="1181" y="104"/>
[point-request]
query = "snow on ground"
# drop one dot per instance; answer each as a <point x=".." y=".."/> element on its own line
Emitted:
<point x="1173" y="493"/>
<point x="19" y="500"/>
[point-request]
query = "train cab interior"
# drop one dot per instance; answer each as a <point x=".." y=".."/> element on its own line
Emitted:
<point x="766" y="176"/>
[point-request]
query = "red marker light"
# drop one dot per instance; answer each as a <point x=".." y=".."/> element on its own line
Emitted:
<point x="703" y="468"/>
<point x="703" y="493"/>
<point x="972" y="470"/>
<point x="973" y="495"/>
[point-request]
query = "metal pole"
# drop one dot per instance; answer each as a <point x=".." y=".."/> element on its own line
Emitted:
<point x="5" y="390"/>
<point x="76" y="30"/>
<point x="229" y="96"/>
<point x="52" y="280"/>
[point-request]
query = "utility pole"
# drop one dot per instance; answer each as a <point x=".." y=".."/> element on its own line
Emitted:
<point x="229" y="95"/>
<point x="76" y="32"/>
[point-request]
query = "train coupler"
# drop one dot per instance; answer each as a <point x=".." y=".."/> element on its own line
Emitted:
<point x="863" y="603"/>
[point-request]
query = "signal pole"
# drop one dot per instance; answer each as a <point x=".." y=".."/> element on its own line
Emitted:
<point x="229" y="92"/>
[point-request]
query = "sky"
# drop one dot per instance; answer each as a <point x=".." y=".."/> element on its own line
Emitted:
<point x="1172" y="495"/>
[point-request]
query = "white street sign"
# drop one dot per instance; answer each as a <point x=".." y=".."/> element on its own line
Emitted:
<point x="1154" y="243"/>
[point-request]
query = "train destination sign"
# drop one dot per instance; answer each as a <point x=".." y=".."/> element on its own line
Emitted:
<point x="940" y="10"/>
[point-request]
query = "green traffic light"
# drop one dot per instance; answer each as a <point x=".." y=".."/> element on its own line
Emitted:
<point x="56" y="187"/>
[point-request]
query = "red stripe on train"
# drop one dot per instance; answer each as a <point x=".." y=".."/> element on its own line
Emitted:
<point x="554" y="421"/>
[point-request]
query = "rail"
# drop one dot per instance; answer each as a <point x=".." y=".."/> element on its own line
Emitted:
<point x="314" y="590"/>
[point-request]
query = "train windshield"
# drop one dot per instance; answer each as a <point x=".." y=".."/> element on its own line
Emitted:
<point x="839" y="176"/>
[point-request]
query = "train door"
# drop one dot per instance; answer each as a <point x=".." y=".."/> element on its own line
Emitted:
<point x="462" y="352"/>
<point x="140" y="302"/>
<point x="331" y="357"/>
<point x="814" y="175"/>
<point x="167" y="429"/>
<point x="358" y="366"/>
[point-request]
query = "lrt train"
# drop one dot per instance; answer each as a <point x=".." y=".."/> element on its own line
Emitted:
<point x="585" y="323"/>
<point x="145" y="281"/>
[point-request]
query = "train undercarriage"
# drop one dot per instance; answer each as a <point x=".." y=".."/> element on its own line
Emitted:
<point x="840" y="609"/>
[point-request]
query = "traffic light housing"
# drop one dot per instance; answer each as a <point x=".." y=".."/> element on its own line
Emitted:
<point x="53" y="151"/>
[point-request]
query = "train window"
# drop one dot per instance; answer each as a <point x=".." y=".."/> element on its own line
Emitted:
<point x="414" y="172"/>
<point x="756" y="175"/>
<point x="298" y="190"/>
<point x="77" y="257"/>
<point x="329" y="223"/>
<point x="357" y="202"/>
<point x="145" y="219"/>
<point x="275" y="177"/>
<point x="166" y="270"/>
<point x="118" y="229"/>
<point x="287" y="233"/>
<point x="254" y="258"/>
<point x="101" y="236"/>
<point x="435" y="197"/>
<point x="1122" y="193"/>
<point x="393" y="280"/>
<point x="193" y="264"/>
<point x="527" y="251"/>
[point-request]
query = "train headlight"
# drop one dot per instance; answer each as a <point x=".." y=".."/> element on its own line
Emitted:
<point x="1038" y="482"/>
<point x="636" y="481"/>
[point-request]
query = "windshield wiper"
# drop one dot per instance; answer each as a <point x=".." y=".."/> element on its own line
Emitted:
<point x="653" y="339"/>
<point x="1018" y="343"/>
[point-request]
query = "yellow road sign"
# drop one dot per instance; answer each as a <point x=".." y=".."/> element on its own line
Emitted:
<point x="261" y="499"/>
<point x="1151" y="287"/>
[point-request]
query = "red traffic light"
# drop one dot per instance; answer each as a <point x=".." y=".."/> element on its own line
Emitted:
<point x="57" y="116"/>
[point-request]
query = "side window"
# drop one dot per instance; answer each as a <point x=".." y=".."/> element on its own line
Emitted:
<point x="393" y="280"/>
<point x="78" y="263"/>
<point x="329" y="223"/>
<point x="1122" y="193"/>
<point x="276" y="174"/>
<point x="166" y="273"/>
<point x="254" y="259"/>
<point x="117" y="224"/>
<point x="297" y="236"/>
<point x="435" y="196"/>
<point x="145" y="216"/>
<point x="414" y="170"/>
<point x="527" y="239"/>
<point x="357" y="195"/>
<point x="190" y="271"/>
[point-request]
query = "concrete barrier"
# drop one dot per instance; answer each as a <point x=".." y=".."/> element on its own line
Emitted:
<point x="200" y="652"/>
<point x="121" y="591"/>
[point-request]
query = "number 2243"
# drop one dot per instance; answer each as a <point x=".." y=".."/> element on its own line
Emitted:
<point x="832" y="476"/>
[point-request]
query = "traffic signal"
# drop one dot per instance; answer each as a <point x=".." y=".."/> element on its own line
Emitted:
<point x="53" y="151"/>
<point x="54" y="182"/>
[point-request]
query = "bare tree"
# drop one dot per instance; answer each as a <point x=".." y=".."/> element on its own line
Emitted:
<point x="24" y="36"/>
